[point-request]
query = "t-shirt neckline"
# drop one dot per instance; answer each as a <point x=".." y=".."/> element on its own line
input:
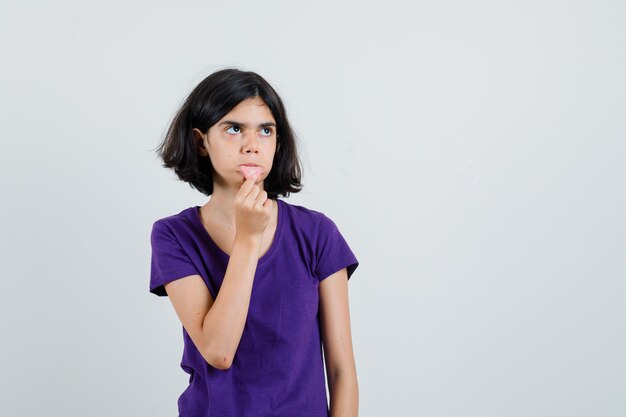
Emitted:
<point x="262" y="259"/>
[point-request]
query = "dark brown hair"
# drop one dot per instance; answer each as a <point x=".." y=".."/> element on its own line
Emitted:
<point x="209" y="102"/>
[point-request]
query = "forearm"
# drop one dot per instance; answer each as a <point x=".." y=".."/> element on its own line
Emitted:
<point x="225" y="320"/>
<point x="344" y="395"/>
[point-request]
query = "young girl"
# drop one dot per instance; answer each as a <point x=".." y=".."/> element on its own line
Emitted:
<point x="259" y="284"/>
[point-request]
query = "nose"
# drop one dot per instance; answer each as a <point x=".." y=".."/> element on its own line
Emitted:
<point x="250" y="142"/>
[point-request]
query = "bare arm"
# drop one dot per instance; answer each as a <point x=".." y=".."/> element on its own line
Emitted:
<point x="337" y="342"/>
<point x="216" y="326"/>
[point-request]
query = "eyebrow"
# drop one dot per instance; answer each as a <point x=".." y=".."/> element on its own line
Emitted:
<point x="232" y="122"/>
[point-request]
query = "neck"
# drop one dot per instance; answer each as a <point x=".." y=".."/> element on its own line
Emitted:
<point x="221" y="205"/>
<point x="222" y="208"/>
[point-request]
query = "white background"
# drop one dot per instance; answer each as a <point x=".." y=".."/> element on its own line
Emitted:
<point x="471" y="153"/>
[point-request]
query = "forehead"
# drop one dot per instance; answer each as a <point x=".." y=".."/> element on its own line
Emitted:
<point x="251" y="109"/>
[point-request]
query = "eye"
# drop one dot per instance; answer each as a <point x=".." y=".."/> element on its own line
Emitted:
<point x="234" y="127"/>
<point x="266" y="131"/>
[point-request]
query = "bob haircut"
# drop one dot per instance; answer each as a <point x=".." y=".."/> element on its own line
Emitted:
<point x="209" y="102"/>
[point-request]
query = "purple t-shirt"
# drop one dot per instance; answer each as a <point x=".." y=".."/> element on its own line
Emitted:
<point x="278" y="368"/>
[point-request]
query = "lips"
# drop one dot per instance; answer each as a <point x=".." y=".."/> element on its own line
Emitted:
<point x="250" y="170"/>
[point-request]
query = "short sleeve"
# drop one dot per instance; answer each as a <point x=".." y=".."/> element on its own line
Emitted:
<point x="332" y="252"/>
<point x="169" y="259"/>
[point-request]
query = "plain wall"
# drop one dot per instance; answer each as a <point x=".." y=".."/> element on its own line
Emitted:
<point x="472" y="154"/>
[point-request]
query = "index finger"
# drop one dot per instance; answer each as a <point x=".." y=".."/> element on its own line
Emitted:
<point x="247" y="185"/>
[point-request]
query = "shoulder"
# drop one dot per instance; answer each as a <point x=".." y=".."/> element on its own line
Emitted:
<point x="304" y="217"/>
<point x="175" y="223"/>
<point x="314" y="227"/>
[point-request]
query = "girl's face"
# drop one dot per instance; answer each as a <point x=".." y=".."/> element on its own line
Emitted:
<point x="245" y="135"/>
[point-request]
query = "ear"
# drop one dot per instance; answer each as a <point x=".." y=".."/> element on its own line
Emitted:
<point x="199" y="141"/>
